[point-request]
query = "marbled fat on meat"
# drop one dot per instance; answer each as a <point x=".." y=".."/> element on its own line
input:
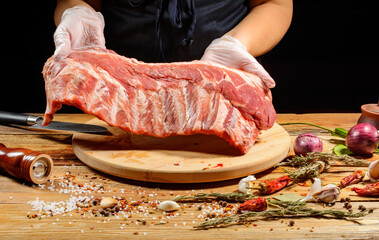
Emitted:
<point x="161" y="99"/>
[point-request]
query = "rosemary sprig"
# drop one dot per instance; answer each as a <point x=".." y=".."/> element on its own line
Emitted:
<point x="306" y="172"/>
<point x="314" y="163"/>
<point x="299" y="160"/>
<point x="285" y="210"/>
<point x="231" y="197"/>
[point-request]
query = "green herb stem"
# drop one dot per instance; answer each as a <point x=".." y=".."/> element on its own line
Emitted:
<point x="310" y="124"/>
<point x="337" y="132"/>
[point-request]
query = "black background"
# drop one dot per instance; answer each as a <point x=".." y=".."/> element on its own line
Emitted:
<point x="327" y="62"/>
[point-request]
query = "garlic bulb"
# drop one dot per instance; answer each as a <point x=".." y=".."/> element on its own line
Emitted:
<point x="373" y="171"/>
<point x="244" y="184"/>
<point x="169" y="206"/>
<point x="328" y="193"/>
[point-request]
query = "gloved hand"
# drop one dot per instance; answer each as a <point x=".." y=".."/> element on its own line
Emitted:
<point x="230" y="52"/>
<point x="80" y="28"/>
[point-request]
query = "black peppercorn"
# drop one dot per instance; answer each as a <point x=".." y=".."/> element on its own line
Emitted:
<point x="95" y="202"/>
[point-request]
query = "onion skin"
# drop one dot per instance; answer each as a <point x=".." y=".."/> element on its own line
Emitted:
<point x="307" y="142"/>
<point x="362" y="139"/>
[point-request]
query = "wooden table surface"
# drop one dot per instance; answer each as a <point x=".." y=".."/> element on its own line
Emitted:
<point x="18" y="220"/>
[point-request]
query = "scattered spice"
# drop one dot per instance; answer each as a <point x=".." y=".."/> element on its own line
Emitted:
<point x="223" y="203"/>
<point x="362" y="208"/>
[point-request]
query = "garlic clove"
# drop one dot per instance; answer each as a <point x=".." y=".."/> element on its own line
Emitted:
<point x="373" y="171"/>
<point x="108" y="202"/>
<point x="168" y="206"/>
<point x="328" y="194"/>
<point x="316" y="187"/>
<point x="244" y="183"/>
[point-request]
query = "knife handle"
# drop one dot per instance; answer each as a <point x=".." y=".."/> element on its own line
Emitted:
<point x="18" y="118"/>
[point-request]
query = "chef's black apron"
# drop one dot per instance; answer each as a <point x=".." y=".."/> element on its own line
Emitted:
<point x="168" y="30"/>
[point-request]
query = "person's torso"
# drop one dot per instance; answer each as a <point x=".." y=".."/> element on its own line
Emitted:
<point x="168" y="30"/>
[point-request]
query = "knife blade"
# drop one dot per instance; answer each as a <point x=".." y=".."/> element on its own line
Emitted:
<point x="36" y="123"/>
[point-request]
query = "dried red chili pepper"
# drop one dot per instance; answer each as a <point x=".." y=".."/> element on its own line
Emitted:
<point x="356" y="177"/>
<point x="371" y="190"/>
<point x="256" y="204"/>
<point x="268" y="187"/>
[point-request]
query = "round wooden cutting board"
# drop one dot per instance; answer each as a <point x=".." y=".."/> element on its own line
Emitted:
<point x="177" y="159"/>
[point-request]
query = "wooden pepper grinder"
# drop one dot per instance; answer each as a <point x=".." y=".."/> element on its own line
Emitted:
<point x="26" y="164"/>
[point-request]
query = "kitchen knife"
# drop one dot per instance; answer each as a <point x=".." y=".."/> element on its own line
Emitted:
<point x="36" y="122"/>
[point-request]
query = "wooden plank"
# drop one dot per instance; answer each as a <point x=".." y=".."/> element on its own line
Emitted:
<point x="14" y="208"/>
<point x="15" y="195"/>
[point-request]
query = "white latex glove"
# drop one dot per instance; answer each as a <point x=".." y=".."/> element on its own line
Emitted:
<point x="230" y="52"/>
<point x="80" y="28"/>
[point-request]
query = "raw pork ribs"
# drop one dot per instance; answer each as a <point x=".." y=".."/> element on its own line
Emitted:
<point x="161" y="99"/>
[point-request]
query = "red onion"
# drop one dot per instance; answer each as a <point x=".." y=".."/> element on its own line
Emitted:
<point x="307" y="142"/>
<point x="362" y="139"/>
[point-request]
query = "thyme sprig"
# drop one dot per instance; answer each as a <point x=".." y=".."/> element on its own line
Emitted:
<point x="284" y="210"/>
<point x="204" y="197"/>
